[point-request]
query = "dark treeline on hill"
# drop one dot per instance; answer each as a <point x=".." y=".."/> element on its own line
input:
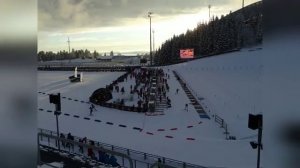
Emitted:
<point x="236" y="30"/>
<point x="64" y="55"/>
<point x="75" y="54"/>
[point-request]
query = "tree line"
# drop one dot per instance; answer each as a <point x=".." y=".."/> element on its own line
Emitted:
<point x="64" y="55"/>
<point x="231" y="32"/>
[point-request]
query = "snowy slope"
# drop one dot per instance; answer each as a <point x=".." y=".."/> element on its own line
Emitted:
<point x="230" y="85"/>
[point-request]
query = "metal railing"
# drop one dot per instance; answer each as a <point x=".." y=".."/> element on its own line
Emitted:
<point x="217" y="118"/>
<point x="83" y="145"/>
<point x="187" y="84"/>
<point x="139" y="158"/>
<point x="222" y="123"/>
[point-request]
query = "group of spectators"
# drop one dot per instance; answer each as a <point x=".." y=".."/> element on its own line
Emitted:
<point x="141" y="88"/>
<point x="102" y="156"/>
<point x="163" y="86"/>
<point x="67" y="145"/>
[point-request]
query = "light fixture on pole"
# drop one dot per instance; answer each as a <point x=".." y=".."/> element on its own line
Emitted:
<point x="149" y="15"/>
<point x="256" y="122"/>
<point x="55" y="99"/>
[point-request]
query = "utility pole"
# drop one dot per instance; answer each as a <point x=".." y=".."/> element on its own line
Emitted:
<point x="149" y="15"/>
<point x="69" y="49"/>
<point x="243" y="3"/>
<point x="69" y="45"/>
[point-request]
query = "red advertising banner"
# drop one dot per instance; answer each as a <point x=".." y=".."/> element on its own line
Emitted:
<point x="187" y="53"/>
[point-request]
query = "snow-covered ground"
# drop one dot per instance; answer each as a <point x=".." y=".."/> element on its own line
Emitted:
<point x="208" y="149"/>
<point x="54" y="164"/>
<point x="232" y="85"/>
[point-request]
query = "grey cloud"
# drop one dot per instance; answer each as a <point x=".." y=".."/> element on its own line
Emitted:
<point x="59" y="15"/>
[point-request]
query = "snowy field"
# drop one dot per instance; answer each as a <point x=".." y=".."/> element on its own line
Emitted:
<point x="208" y="149"/>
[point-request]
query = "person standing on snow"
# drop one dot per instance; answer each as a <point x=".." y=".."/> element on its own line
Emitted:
<point x="177" y="90"/>
<point x="92" y="108"/>
<point x="186" y="107"/>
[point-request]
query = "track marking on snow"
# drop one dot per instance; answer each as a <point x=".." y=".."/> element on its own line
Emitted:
<point x="109" y="123"/>
<point x="137" y="128"/>
<point x="123" y="125"/>
<point x="134" y="128"/>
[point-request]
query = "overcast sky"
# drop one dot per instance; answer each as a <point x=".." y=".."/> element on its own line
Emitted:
<point x="120" y="25"/>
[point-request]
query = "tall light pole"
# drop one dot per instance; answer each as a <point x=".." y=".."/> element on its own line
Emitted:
<point x="153" y="41"/>
<point x="209" y="6"/>
<point x="69" y="49"/>
<point x="243" y="3"/>
<point x="149" y="15"/>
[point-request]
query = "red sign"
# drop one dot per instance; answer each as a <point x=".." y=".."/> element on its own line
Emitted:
<point x="187" y="53"/>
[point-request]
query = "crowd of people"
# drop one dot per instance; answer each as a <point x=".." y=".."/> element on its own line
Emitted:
<point x="142" y="87"/>
<point x="139" y="89"/>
